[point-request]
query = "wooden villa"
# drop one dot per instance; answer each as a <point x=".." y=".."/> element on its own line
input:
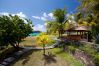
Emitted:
<point x="77" y="33"/>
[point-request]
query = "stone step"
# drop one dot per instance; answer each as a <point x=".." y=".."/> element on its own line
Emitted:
<point x="9" y="60"/>
<point x="2" y="65"/>
<point x="5" y="63"/>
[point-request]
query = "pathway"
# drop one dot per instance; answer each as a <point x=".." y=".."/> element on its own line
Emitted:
<point x="18" y="54"/>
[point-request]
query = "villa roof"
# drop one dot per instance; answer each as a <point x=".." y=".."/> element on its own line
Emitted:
<point x="81" y="28"/>
<point x="78" y="28"/>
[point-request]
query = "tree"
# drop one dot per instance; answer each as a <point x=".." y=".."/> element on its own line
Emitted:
<point x="13" y="30"/>
<point x="78" y="17"/>
<point x="60" y="18"/>
<point x="5" y="30"/>
<point x="43" y="39"/>
<point x="91" y="7"/>
<point x="52" y="27"/>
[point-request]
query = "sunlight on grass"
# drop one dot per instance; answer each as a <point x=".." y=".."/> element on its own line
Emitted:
<point x="35" y="58"/>
<point x="69" y="59"/>
<point x="28" y="42"/>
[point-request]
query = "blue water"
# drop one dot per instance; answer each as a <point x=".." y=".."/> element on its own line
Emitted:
<point x="34" y="34"/>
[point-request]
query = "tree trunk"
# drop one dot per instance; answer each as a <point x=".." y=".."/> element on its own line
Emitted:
<point x="14" y="45"/>
<point x="43" y="49"/>
<point x="17" y="44"/>
<point x="61" y="29"/>
<point x="59" y="33"/>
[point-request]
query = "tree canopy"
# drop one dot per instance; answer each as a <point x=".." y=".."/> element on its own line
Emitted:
<point x="13" y="29"/>
<point x="57" y="24"/>
<point x="90" y="10"/>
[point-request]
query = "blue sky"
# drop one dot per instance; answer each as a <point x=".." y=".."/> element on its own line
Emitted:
<point x="36" y="10"/>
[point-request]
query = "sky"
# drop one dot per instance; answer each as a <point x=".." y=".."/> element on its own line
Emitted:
<point x="37" y="10"/>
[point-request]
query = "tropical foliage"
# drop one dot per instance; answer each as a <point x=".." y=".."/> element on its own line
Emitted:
<point x="90" y="10"/>
<point x="57" y="25"/>
<point x="60" y="17"/>
<point x="44" y="40"/>
<point x="13" y="29"/>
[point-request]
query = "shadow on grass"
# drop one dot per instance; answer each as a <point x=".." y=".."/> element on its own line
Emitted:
<point x="59" y="52"/>
<point x="48" y="59"/>
<point x="25" y="60"/>
<point x="25" y="57"/>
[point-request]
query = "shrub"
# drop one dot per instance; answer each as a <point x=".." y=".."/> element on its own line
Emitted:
<point x="88" y="49"/>
<point x="72" y="49"/>
<point x="96" y="59"/>
<point x="46" y="39"/>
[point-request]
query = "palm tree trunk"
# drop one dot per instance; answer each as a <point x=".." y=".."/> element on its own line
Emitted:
<point x="43" y="49"/>
<point x="61" y="27"/>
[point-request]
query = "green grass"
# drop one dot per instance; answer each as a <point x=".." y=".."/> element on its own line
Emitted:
<point x="35" y="58"/>
<point x="29" y="42"/>
<point x="66" y="56"/>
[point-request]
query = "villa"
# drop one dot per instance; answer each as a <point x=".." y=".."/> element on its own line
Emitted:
<point x="78" y="33"/>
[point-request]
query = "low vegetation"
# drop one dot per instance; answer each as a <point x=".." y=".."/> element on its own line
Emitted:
<point x="90" y="50"/>
<point x="56" y="58"/>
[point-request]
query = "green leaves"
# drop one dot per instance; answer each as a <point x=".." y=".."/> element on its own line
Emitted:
<point x="57" y="24"/>
<point x="13" y="29"/>
<point x="59" y="14"/>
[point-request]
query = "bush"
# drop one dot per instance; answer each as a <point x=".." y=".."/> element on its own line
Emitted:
<point x="96" y="47"/>
<point x="96" y="59"/>
<point x="88" y="49"/>
<point x="72" y="49"/>
<point x="44" y="39"/>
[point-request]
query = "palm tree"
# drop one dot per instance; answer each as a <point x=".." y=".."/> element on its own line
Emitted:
<point x="60" y="17"/>
<point x="52" y="27"/>
<point x="91" y="7"/>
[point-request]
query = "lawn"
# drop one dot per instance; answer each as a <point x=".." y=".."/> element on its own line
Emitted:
<point x="29" y="42"/>
<point x="32" y="42"/>
<point x="55" y="58"/>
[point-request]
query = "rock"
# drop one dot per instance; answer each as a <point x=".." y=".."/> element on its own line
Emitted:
<point x="18" y="54"/>
<point x="5" y="63"/>
<point x="2" y="65"/>
<point x="26" y="50"/>
<point x="10" y="59"/>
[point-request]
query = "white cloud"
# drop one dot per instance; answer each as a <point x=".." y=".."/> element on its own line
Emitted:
<point x="36" y="17"/>
<point x="39" y="27"/>
<point x="21" y="15"/>
<point x="51" y="15"/>
<point x="40" y="18"/>
<point x="4" y="13"/>
<point x="45" y="16"/>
